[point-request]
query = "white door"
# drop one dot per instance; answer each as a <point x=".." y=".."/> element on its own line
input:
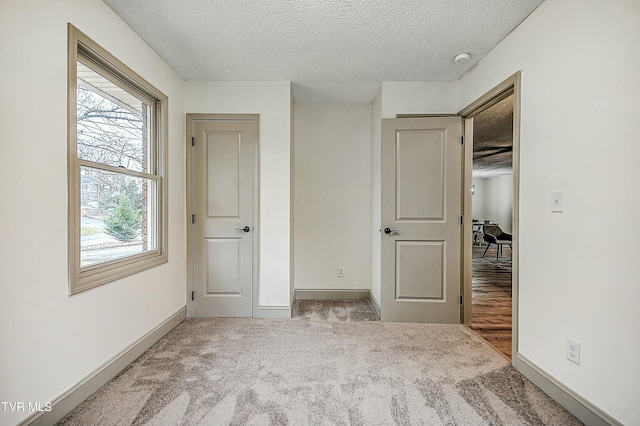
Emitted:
<point x="421" y="214"/>
<point x="224" y="168"/>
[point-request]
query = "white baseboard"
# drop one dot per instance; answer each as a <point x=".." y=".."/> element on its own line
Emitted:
<point x="273" y="312"/>
<point x="329" y="294"/>
<point x="586" y="412"/>
<point x="375" y="304"/>
<point x="66" y="402"/>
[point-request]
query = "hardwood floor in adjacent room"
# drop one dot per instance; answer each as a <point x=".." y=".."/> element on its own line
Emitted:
<point x="491" y="300"/>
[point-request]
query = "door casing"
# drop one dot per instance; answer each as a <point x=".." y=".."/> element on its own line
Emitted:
<point x="510" y="86"/>
<point x="190" y="124"/>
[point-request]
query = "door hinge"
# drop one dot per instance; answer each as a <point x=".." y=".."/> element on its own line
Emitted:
<point x="461" y="300"/>
<point x="461" y="220"/>
<point x="193" y="295"/>
<point x="461" y="140"/>
<point x="193" y="141"/>
<point x="193" y="218"/>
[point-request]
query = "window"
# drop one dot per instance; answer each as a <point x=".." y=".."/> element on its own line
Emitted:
<point x="117" y="168"/>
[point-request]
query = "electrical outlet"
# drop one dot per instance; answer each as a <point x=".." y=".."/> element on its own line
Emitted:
<point x="573" y="350"/>
<point x="341" y="271"/>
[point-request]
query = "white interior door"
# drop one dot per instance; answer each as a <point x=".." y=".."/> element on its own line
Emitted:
<point x="421" y="219"/>
<point x="224" y="229"/>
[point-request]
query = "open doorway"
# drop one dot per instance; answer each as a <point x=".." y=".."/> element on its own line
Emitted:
<point x="491" y="206"/>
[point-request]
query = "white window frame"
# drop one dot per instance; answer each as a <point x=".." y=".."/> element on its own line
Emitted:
<point x="85" y="278"/>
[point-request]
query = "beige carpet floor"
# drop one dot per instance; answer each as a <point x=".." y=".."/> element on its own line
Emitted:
<point x="334" y="310"/>
<point x="323" y="367"/>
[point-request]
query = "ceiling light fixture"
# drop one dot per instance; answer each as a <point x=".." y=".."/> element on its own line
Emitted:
<point x="461" y="57"/>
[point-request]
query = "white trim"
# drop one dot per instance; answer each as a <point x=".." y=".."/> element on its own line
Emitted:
<point x="273" y="312"/>
<point x="509" y="87"/>
<point x="65" y="403"/>
<point x="329" y="294"/>
<point x="375" y="303"/>
<point x="585" y="411"/>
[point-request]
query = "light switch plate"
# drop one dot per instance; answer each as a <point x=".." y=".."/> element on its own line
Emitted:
<point x="557" y="202"/>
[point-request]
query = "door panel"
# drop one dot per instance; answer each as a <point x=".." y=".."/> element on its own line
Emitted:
<point x="223" y="261"/>
<point x="420" y="270"/>
<point x="421" y="206"/>
<point x="420" y="173"/>
<point x="223" y="176"/>
<point x="223" y="173"/>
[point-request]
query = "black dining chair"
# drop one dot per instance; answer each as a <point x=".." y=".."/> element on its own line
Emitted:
<point x="493" y="234"/>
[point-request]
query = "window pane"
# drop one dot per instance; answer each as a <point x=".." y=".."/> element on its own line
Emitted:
<point x="112" y="123"/>
<point x="118" y="216"/>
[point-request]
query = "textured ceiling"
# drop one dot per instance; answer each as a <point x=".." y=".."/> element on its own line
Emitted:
<point x="493" y="140"/>
<point x="334" y="51"/>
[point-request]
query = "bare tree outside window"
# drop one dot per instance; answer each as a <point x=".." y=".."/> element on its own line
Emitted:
<point x="109" y="133"/>
<point x="113" y="205"/>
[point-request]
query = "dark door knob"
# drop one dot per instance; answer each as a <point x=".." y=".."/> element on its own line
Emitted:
<point x="245" y="229"/>
<point x="389" y="230"/>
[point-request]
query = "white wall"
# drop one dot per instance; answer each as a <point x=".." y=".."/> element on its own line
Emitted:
<point x="56" y="339"/>
<point x="578" y="269"/>
<point x="478" y="209"/>
<point x="418" y="97"/>
<point x="376" y="204"/>
<point x="272" y="100"/>
<point x="493" y="200"/>
<point x="499" y="201"/>
<point x="333" y="196"/>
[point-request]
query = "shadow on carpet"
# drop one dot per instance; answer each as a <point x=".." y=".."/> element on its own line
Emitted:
<point x="300" y="372"/>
